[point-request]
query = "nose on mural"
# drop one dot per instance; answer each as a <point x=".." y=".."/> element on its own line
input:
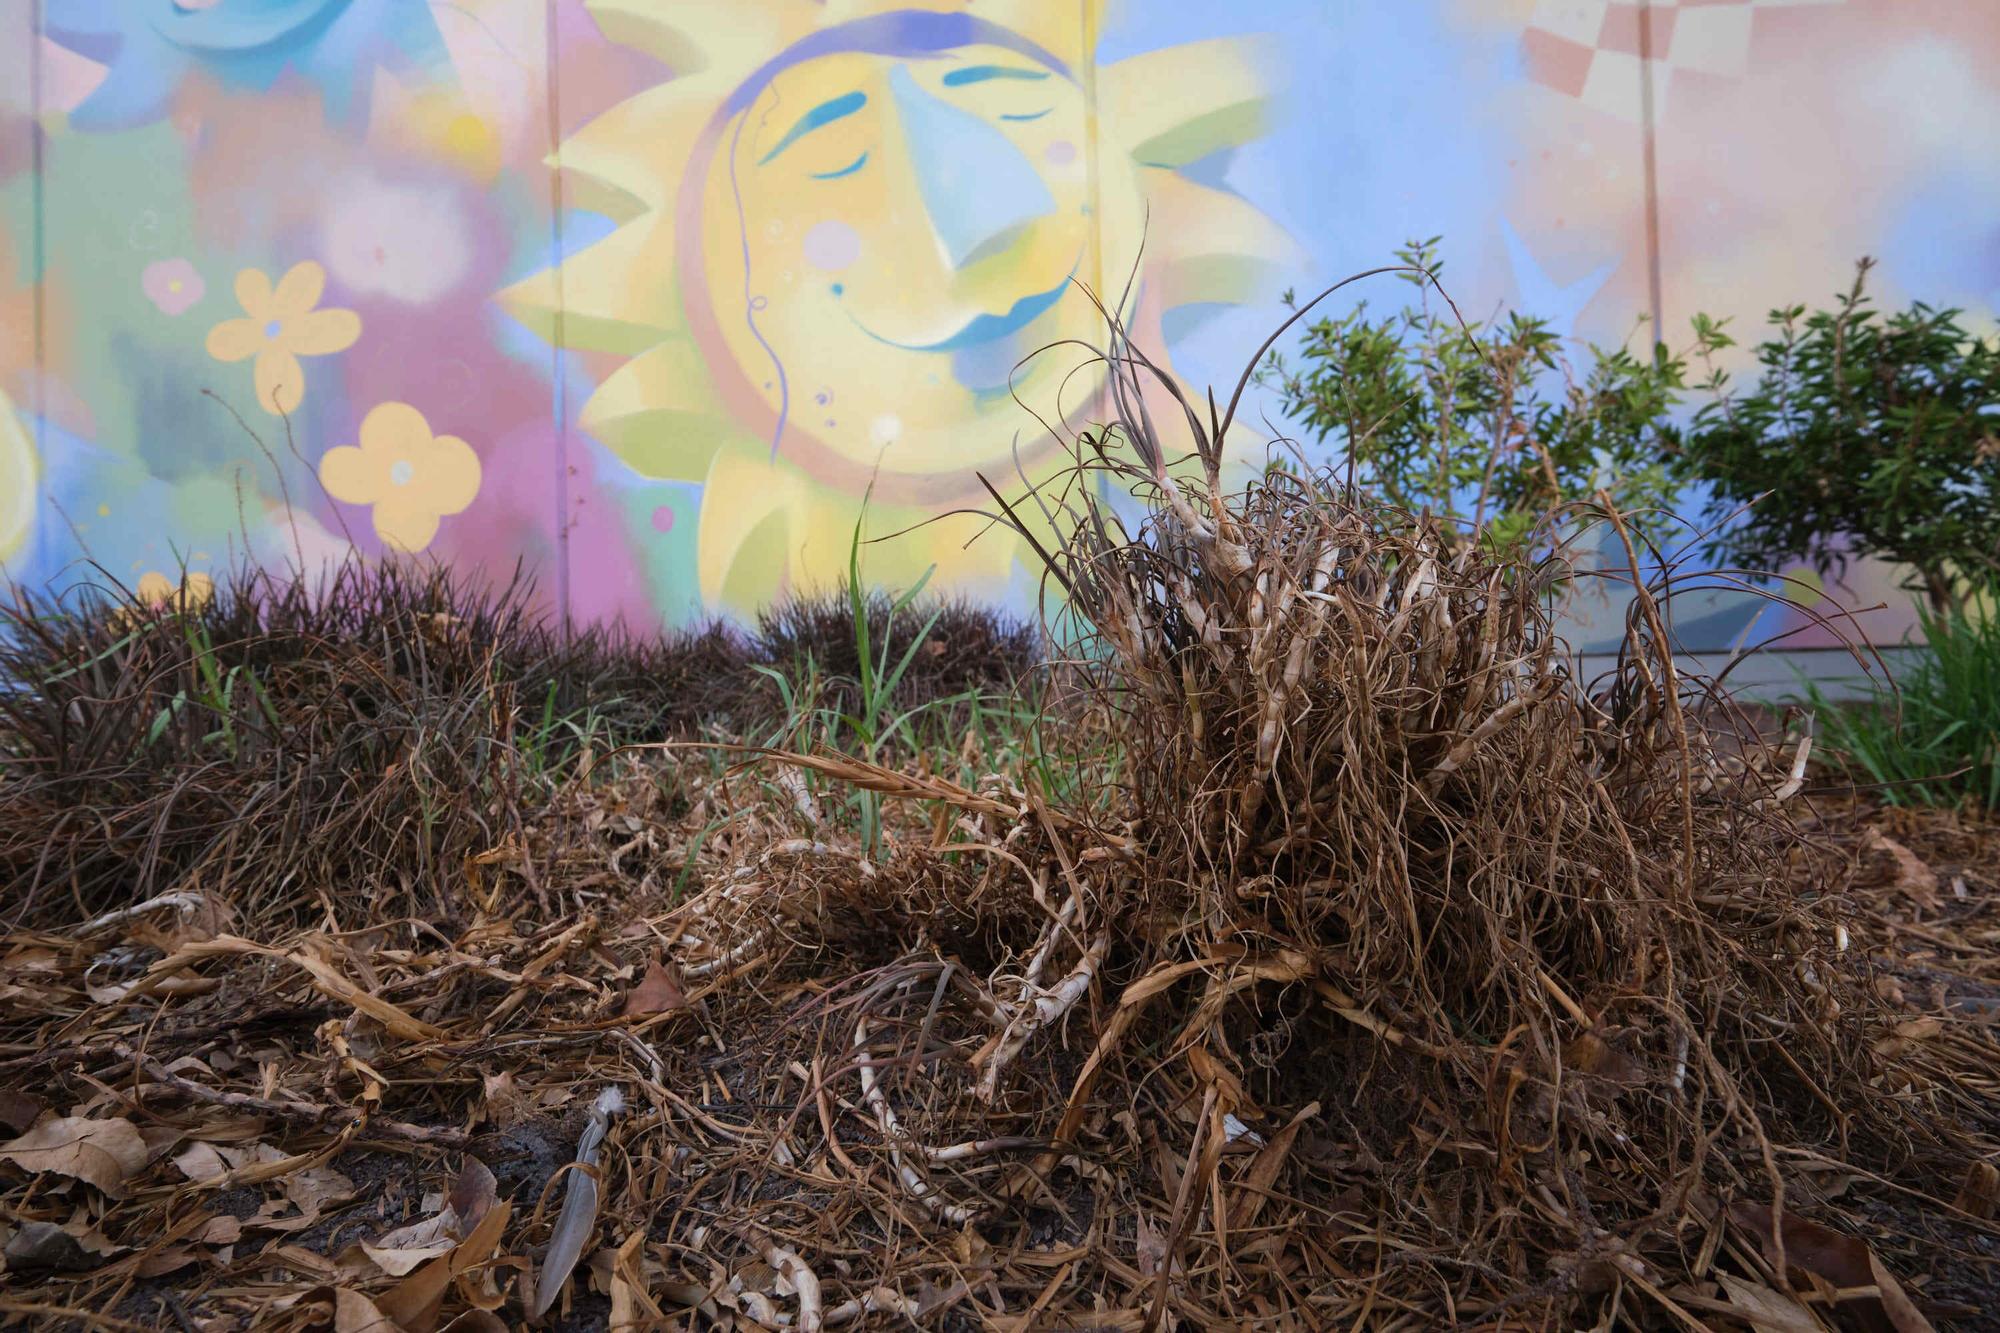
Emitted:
<point x="978" y="188"/>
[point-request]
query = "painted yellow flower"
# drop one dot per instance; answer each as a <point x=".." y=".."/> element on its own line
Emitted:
<point x="279" y="326"/>
<point x="157" y="593"/>
<point x="412" y="477"/>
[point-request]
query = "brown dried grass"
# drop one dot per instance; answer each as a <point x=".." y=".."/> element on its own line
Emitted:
<point x="363" y="731"/>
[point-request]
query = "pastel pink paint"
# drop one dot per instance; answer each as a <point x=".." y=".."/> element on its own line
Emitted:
<point x="1060" y="153"/>
<point x="607" y="582"/>
<point x="68" y="78"/>
<point x="663" y="519"/>
<point x="172" y="285"/>
<point x="832" y="246"/>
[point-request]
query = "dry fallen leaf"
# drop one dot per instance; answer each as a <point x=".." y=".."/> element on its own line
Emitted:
<point x="657" y="993"/>
<point x="1843" y="1262"/>
<point x="101" y="1152"/>
<point x="306" y="1194"/>
<point x="201" y="1161"/>
<point x="350" y="1311"/>
<point x="221" y="1230"/>
<point x="1263" y="1173"/>
<point x="631" y="1305"/>
<point x="311" y="1191"/>
<point x="300" y="1260"/>
<point x="160" y="1140"/>
<point x="1591" y="1054"/>
<point x="44" y="1247"/>
<point x="1151" y="1247"/>
<point x="110" y="993"/>
<point x="400" y="1252"/>
<point x="18" y="1110"/>
<point x="1888" y="862"/>
<point x="1980" y="1193"/>
<point x="1768" y="1311"/>
<point x="26" y="961"/>
<point x="413" y="1303"/>
<point x="503" y="1102"/>
<point x="158" y="1263"/>
<point x="1907" y="1031"/>
<point x="473" y="1194"/>
<point x="355" y="1313"/>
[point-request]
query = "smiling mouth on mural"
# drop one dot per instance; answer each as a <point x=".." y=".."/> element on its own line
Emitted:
<point x="981" y="329"/>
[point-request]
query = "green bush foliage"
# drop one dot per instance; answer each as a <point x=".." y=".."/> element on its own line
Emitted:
<point x="1864" y="436"/>
<point x="1488" y="426"/>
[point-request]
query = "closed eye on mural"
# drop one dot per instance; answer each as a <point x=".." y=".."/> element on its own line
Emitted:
<point x="971" y="74"/>
<point x="958" y="78"/>
<point x="836" y="109"/>
<point x="847" y="170"/>
<point x="826" y="113"/>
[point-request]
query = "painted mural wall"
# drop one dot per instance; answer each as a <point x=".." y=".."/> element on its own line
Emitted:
<point x="650" y="294"/>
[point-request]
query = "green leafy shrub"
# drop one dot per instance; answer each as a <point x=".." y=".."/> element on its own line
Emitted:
<point x="1864" y="436"/>
<point x="1487" y="425"/>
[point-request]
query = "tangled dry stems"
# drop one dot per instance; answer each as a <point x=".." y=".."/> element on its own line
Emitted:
<point x="1387" y="862"/>
<point x="1538" y="945"/>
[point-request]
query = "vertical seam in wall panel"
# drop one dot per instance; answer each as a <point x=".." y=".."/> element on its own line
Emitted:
<point x="1648" y="136"/>
<point x="1093" y="176"/>
<point x="558" y="377"/>
<point x="37" y="392"/>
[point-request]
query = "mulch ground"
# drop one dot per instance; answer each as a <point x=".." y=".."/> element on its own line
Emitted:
<point x="223" y="1124"/>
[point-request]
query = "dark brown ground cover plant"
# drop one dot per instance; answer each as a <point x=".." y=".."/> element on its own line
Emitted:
<point x="370" y="726"/>
<point x="968" y="648"/>
<point x="294" y="738"/>
<point x="1365" y="968"/>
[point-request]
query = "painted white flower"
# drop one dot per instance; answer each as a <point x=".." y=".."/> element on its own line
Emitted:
<point x="403" y="242"/>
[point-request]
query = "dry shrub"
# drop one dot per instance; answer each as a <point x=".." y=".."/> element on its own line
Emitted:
<point x="1509" y="976"/>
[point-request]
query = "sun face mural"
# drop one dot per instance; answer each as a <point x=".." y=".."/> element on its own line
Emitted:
<point x="842" y="228"/>
<point x="800" y="247"/>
